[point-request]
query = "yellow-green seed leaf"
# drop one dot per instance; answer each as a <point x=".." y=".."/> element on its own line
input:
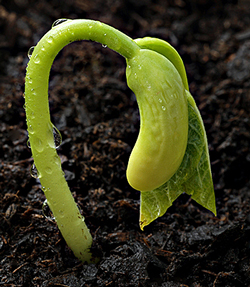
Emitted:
<point x="162" y="102"/>
<point x="193" y="176"/>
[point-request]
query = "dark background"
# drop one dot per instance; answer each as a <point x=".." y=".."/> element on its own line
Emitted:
<point x="97" y="116"/>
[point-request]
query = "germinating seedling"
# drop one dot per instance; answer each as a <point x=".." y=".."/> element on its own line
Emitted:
<point x="170" y="155"/>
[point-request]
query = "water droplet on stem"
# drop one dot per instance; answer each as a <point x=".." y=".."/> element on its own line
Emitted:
<point x="80" y="209"/>
<point x="30" y="129"/>
<point x="37" y="59"/>
<point x="57" y="137"/>
<point x="48" y="170"/>
<point x="39" y="145"/>
<point x="47" y="212"/>
<point x="50" y="39"/>
<point x="31" y="49"/>
<point x="58" y="22"/>
<point x="34" y="172"/>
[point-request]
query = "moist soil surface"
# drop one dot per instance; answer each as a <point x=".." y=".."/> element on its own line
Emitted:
<point x="98" y="118"/>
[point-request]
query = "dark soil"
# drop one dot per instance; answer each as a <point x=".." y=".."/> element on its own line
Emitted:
<point x="98" y="118"/>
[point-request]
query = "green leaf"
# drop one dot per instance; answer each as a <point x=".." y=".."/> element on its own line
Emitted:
<point x="193" y="176"/>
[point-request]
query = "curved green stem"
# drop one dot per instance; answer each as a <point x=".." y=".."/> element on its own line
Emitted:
<point x="59" y="198"/>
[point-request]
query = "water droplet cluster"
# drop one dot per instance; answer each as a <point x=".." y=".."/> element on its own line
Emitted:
<point x="50" y="39"/>
<point x="40" y="143"/>
<point x="39" y="146"/>
<point x="162" y="107"/>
